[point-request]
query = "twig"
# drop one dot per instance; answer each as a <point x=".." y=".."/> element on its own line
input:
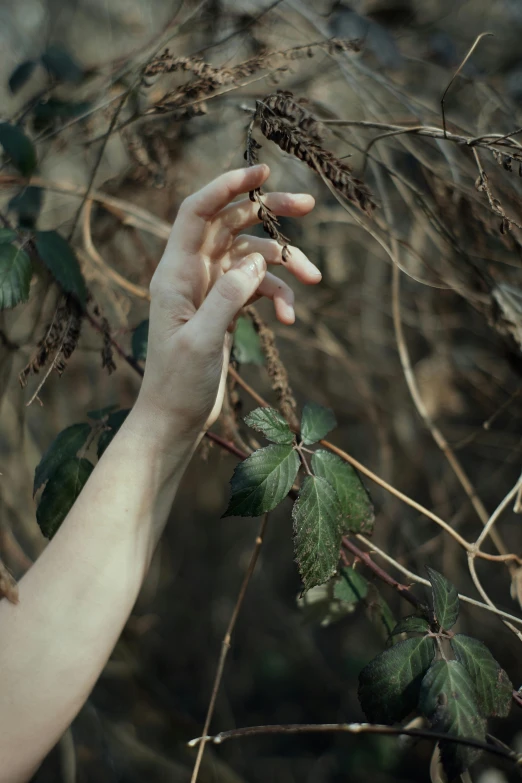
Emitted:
<point x="496" y="514"/>
<point x="357" y="728"/>
<point x="459" y="69"/>
<point x="225" y="647"/>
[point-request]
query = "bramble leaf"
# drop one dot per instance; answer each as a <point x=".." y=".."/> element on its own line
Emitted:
<point x="65" y="446"/>
<point x="445" y="599"/>
<point x="102" y="413"/>
<point x="262" y="480"/>
<point x="411" y="624"/>
<point x="316" y="422"/>
<point x="379" y="613"/>
<point x="140" y="337"/>
<point x="356" y="505"/>
<point x="60" y="259"/>
<point x="271" y="423"/>
<point x="27" y="204"/>
<point x="113" y="424"/>
<point x="449" y="700"/>
<point x="389" y="685"/>
<point x="351" y="587"/>
<point x="317" y="532"/>
<point x="15" y="276"/>
<point x="18" y="147"/>
<point x="60" y="64"/>
<point x="493" y="686"/>
<point x="320" y="607"/>
<point x="21" y="75"/>
<point x="6" y="236"/>
<point x="247" y="347"/>
<point x="61" y="491"/>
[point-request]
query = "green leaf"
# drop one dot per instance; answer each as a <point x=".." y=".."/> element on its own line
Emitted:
<point x="317" y="533"/>
<point x="262" y="480"/>
<point x="66" y="445"/>
<point x="59" y="258"/>
<point x="21" y="75"/>
<point x="140" y="337"/>
<point x="247" y="346"/>
<point x="7" y="235"/>
<point x="351" y="587"/>
<point x="445" y="599"/>
<point x="18" y="147"/>
<point x="61" y="491"/>
<point x="113" y="424"/>
<point x="27" y="205"/>
<point x="379" y="612"/>
<point x="493" y="686"/>
<point x="54" y="109"/>
<point x="316" y="422"/>
<point x="356" y="505"/>
<point x="60" y="64"/>
<point x="389" y="685"/>
<point x="411" y="624"/>
<point x="449" y="700"/>
<point x="102" y="413"/>
<point x="15" y="276"/>
<point x="271" y="423"/>
<point x="320" y="607"/>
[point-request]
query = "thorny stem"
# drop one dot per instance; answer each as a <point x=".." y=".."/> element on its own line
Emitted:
<point x="358" y="728"/>
<point x="225" y="647"/>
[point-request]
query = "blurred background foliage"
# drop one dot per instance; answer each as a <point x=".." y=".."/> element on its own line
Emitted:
<point x="461" y="309"/>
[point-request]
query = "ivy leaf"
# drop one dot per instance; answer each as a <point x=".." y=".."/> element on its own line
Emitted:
<point x="316" y="422"/>
<point x="262" y="480"/>
<point x="7" y="235"/>
<point x="247" y="346"/>
<point x="389" y="685"/>
<point x="15" y="276"/>
<point x="411" y="624"/>
<point x="445" y="599"/>
<point x="140" y="338"/>
<point x="21" y="75"/>
<point x="493" y="686"/>
<point x="271" y="423"/>
<point x="102" y="413"/>
<point x="317" y="533"/>
<point x="113" y="424"/>
<point x="27" y="205"/>
<point x="65" y="446"/>
<point x="449" y="700"/>
<point x="60" y="64"/>
<point x="59" y="258"/>
<point x="18" y="147"/>
<point x="61" y="491"/>
<point x="356" y="505"/>
<point x="351" y="587"/>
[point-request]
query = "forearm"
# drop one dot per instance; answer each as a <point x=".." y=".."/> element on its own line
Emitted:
<point x="76" y="598"/>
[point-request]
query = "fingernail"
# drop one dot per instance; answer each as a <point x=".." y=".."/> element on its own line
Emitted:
<point x="254" y="264"/>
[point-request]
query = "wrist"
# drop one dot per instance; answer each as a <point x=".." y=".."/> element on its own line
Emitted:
<point x="171" y="433"/>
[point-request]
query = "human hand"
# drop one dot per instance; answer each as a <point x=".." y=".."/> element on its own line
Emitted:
<point x="208" y="272"/>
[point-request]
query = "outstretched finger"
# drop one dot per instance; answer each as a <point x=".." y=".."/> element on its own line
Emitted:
<point x="282" y="296"/>
<point x="297" y="263"/>
<point x="245" y="213"/>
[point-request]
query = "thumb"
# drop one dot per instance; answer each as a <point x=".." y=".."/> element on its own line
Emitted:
<point x="230" y="293"/>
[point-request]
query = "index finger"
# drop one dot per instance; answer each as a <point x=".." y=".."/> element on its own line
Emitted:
<point x="189" y="230"/>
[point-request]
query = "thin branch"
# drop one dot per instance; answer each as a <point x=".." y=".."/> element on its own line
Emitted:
<point x="225" y="647"/>
<point x="485" y="596"/>
<point x="459" y="69"/>
<point x="496" y="514"/>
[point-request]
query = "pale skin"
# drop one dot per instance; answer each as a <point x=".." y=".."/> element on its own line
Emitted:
<point x="77" y="597"/>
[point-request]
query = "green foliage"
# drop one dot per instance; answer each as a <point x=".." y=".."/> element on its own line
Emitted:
<point x="61" y="65"/>
<point x="263" y="480"/>
<point x="356" y="505"/>
<point x="445" y="599"/>
<point x="15" y="276"/>
<point x="60" y="259"/>
<point x="411" y="624"/>
<point x="112" y="425"/>
<point x="449" y="700"/>
<point x="272" y="424"/>
<point x="21" y="75"/>
<point x="492" y="685"/>
<point x="351" y="586"/>
<point x="60" y="493"/>
<point x="65" y="446"/>
<point x="389" y="685"/>
<point x="316" y="423"/>
<point x="140" y="337"/>
<point x="47" y="111"/>
<point x="102" y="413"/>
<point x="7" y="235"/>
<point x="379" y="613"/>
<point x="18" y="147"/>
<point x="317" y="531"/>
<point x="247" y="347"/>
<point x="27" y="204"/>
<point x="320" y="606"/>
